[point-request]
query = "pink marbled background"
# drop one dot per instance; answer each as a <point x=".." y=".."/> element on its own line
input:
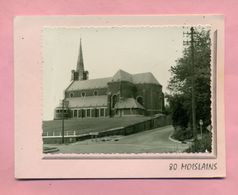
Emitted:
<point x="11" y="8"/>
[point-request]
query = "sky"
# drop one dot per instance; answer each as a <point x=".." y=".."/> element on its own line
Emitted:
<point x="105" y="51"/>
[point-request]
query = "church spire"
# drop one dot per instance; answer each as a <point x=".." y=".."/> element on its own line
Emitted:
<point x="79" y="73"/>
<point x="80" y="64"/>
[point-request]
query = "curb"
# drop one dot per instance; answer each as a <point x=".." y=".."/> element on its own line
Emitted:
<point x="174" y="140"/>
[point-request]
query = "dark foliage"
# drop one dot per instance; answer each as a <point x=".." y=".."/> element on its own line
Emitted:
<point x="180" y="85"/>
<point x="202" y="145"/>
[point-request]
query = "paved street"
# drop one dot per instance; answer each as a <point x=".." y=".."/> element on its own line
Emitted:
<point x="156" y="140"/>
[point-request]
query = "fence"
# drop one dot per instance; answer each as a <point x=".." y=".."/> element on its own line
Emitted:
<point x="74" y="136"/>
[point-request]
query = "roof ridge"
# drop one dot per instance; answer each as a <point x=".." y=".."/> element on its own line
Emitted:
<point x="143" y="73"/>
<point x="122" y="75"/>
<point x="93" y="79"/>
<point x="120" y="70"/>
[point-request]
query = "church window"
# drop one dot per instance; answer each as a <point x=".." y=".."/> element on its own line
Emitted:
<point x="114" y="100"/>
<point x="88" y="112"/>
<point x="83" y="94"/>
<point x="79" y="113"/>
<point x="83" y="113"/>
<point x="95" y="93"/>
<point x="102" y="112"/>
<point x="96" y="112"/>
<point x="140" y="100"/>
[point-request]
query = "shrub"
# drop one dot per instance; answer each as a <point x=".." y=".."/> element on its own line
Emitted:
<point x="202" y="145"/>
<point x="182" y="134"/>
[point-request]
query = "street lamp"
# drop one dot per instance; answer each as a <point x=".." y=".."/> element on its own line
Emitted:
<point x="201" y="124"/>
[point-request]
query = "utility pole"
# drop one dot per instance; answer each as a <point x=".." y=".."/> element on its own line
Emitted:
<point x="120" y="97"/>
<point x="193" y="108"/>
<point x="193" y="86"/>
<point x="63" y="121"/>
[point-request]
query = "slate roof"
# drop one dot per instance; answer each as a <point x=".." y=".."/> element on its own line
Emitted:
<point x="146" y="77"/>
<point x="120" y="75"/>
<point x="128" y="103"/>
<point x="89" y="101"/>
<point x="89" y="84"/>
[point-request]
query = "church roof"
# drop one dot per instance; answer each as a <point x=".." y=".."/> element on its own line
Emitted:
<point x="89" y="84"/>
<point x="120" y="75"/>
<point x="128" y="103"/>
<point x="89" y="101"/>
<point x="146" y="77"/>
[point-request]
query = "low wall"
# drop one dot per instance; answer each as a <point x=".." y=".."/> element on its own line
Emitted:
<point x="152" y="123"/>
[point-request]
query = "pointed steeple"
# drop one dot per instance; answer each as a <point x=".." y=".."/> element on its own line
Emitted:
<point x="80" y="64"/>
<point x="79" y="73"/>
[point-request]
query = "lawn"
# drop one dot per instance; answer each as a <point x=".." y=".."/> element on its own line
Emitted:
<point x="155" y="140"/>
<point x="82" y="126"/>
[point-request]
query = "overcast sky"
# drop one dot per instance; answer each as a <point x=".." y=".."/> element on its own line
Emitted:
<point x="106" y="50"/>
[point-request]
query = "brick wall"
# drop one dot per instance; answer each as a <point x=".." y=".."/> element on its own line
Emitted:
<point x="127" y="89"/>
<point x="152" y="97"/>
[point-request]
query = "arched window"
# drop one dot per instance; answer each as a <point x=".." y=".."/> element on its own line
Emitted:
<point x="140" y="100"/>
<point x="71" y="95"/>
<point x="95" y="93"/>
<point x="114" y="100"/>
<point x="83" y="94"/>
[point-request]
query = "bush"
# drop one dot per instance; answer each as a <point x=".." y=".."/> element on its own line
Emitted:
<point x="203" y="145"/>
<point x="182" y="134"/>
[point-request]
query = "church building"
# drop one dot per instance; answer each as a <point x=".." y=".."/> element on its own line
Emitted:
<point x="123" y="94"/>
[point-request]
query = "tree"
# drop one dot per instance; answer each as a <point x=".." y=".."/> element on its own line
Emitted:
<point x="180" y="83"/>
<point x="180" y="117"/>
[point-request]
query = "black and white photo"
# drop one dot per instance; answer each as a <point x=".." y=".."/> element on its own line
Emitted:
<point x="127" y="89"/>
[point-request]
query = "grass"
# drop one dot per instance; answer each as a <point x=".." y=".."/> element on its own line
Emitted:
<point x="156" y="140"/>
<point x="82" y="126"/>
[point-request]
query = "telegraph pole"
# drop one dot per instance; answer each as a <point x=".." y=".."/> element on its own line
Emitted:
<point x="193" y="108"/>
<point x="120" y="97"/>
<point x="193" y="86"/>
<point x="63" y="121"/>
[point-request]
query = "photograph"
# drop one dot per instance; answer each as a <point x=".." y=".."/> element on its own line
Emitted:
<point x="143" y="93"/>
<point x="128" y="89"/>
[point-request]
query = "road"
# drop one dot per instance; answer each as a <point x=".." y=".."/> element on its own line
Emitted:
<point x="152" y="141"/>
